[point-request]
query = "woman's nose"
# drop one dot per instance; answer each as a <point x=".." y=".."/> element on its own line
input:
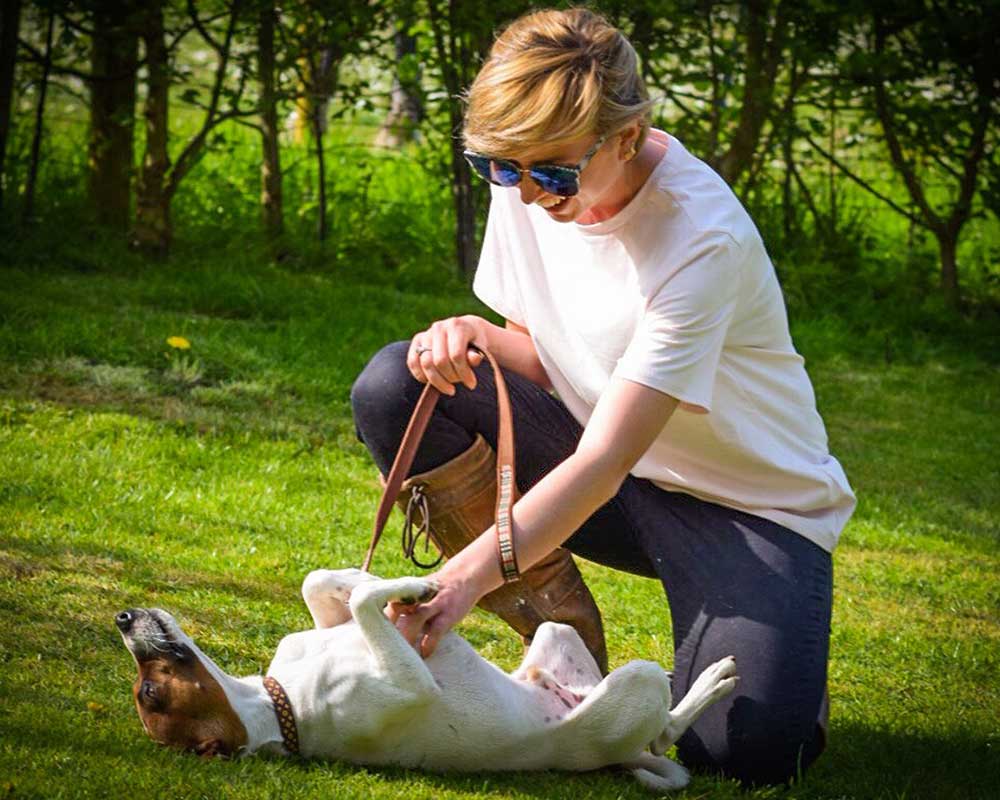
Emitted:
<point x="529" y="190"/>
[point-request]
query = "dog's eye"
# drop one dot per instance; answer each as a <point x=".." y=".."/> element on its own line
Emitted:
<point x="149" y="695"/>
<point x="181" y="652"/>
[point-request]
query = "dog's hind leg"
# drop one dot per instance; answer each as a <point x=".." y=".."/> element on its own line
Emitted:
<point x="617" y="720"/>
<point x="658" y="773"/>
<point x="558" y="650"/>
<point x="718" y="680"/>
<point x="326" y="592"/>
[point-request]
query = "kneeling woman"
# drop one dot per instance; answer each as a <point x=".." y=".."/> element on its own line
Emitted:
<point x="665" y="425"/>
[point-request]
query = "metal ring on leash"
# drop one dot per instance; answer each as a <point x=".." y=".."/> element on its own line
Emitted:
<point x="418" y="503"/>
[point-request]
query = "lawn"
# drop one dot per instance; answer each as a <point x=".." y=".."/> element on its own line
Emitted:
<point x="209" y="481"/>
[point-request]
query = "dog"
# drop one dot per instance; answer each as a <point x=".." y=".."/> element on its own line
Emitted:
<point x="354" y="689"/>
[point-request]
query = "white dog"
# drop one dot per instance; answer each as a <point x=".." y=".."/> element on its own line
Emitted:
<point x="354" y="689"/>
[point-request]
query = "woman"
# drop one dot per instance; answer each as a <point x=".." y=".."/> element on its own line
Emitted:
<point x="665" y="424"/>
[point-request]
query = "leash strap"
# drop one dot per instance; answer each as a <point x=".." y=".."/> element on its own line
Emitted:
<point x="283" y="711"/>
<point x="506" y="486"/>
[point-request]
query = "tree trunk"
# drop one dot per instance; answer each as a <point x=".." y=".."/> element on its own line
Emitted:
<point x="762" y="56"/>
<point x="152" y="231"/>
<point x="406" y="111"/>
<point x="36" y="139"/>
<point x="10" y="23"/>
<point x="114" y="61"/>
<point x="317" y="126"/>
<point x="272" y="208"/>
<point x="948" y="247"/>
<point x="465" y="210"/>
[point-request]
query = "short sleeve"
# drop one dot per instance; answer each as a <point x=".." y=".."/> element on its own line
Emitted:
<point x="496" y="278"/>
<point x="678" y="341"/>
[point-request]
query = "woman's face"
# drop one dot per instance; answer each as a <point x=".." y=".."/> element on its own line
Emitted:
<point x="605" y="185"/>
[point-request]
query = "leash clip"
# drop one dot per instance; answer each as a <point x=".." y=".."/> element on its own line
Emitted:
<point x="417" y="504"/>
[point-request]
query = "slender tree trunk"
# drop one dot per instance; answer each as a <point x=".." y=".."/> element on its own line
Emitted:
<point x="272" y="209"/>
<point x="763" y="56"/>
<point x="317" y="124"/>
<point x="10" y="24"/>
<point x="152" y="231"/>
<point x="36" y="139"/>
<point x="406" y="110"/>
<point x="948" y="248"/>
<point x="455" y="62"/>
<point x="114" y="61"/>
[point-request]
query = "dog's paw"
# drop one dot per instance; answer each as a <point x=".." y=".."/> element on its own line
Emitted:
<point x="718" y="679"/>
<point x="419" y="591"/>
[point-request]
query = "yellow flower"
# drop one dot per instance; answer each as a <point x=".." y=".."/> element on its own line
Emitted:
<point x="179" y="342"/>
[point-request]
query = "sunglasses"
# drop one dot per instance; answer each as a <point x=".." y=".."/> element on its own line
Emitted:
<point x="552" y="178"/>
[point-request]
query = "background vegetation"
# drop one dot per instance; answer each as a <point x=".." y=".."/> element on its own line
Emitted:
<point x="281" y="187"/>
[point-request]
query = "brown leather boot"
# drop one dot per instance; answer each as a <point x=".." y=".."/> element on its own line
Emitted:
<point x="461" y="498"/>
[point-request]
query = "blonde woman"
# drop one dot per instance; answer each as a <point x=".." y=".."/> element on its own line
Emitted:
<point x="664" y="423"/>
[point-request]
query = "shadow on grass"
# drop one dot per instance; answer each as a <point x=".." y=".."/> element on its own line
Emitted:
<point x="869" y="762"/>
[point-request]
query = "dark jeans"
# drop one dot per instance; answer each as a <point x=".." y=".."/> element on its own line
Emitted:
<point x="736" y="584"/>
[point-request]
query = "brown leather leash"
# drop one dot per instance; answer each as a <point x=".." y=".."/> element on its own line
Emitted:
<point x="506" y="486"/>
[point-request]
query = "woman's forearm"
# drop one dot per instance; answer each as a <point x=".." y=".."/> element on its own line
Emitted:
<point x="543" y="518"/>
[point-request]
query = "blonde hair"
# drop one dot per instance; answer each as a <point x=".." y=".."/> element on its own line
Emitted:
<point x="553" y="76"/>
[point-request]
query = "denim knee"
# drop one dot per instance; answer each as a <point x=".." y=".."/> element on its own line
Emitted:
<point x="379" y="391"/>
<point x="765" y="753"/>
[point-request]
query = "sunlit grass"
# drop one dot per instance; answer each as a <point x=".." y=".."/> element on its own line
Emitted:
<point x="212" y="497"/>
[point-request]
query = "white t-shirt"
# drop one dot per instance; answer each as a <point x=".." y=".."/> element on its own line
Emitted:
<point x="675" y="292"/>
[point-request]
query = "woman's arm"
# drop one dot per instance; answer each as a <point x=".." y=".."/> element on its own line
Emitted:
<point x="627" y="419"/>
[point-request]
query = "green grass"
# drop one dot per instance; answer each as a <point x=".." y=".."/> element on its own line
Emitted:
<point x="212" y="490"/>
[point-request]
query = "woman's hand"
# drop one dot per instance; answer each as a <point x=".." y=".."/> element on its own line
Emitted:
<point x="425" y="624"/>
<point x="440" y="355"/>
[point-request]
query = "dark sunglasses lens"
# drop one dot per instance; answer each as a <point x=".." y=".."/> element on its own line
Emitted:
<point x="504" y="173"/>
<point x="481" y="165"/>
<point x="498" y="171"/>
<point x="557" y="180"/>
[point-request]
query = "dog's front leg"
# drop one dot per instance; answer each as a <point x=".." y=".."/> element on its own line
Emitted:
<point x="394" y="658"/>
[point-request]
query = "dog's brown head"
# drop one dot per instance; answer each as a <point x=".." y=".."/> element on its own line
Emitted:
<point x="180" y="702"/>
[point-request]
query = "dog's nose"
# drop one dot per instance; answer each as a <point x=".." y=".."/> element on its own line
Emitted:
<point x="124" y="621"/>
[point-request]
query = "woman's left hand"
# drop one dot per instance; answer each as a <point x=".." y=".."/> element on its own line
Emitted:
<point x="424" y="625"/>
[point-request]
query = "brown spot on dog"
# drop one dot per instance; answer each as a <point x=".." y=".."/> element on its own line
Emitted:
<point x="182" y="705"/>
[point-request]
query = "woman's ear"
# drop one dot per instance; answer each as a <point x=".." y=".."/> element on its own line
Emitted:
<point x="628" y="146"/>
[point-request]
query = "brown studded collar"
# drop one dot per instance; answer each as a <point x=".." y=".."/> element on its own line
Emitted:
<point x="283" y="711"/>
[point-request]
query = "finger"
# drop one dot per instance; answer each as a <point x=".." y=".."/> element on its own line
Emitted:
<point x="394" y="610"/>
<point x="413" y="359"/>
<point x="442" y="357"/>
<point x="459" y="356"/>
<point x="411" y="625"/>
<point x="434" y="376"/>
<point x="435" y="631"/>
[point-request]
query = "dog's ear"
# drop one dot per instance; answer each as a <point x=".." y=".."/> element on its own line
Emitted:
<point x="211" y="748"/>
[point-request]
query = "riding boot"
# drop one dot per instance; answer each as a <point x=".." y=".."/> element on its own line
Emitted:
<point x="460" y="498"/>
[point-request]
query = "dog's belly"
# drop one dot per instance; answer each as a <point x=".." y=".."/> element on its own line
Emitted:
<point x="481" y="719"/>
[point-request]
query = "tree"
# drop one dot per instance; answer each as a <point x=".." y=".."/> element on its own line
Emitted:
<point x="28" y="208"/>
<point x="462" y="34"/>
<point x="10" y="23"/>
<point x="272" y="209"/>
<point x="930" y="77"/>
<point x="325" y="33"/>
<point x="114" y="64"/>
<point x="159" y="178"/>
<point x="406" y="110"/>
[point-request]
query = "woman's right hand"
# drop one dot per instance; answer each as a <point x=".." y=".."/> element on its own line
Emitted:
<point x="440" y="355"/>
